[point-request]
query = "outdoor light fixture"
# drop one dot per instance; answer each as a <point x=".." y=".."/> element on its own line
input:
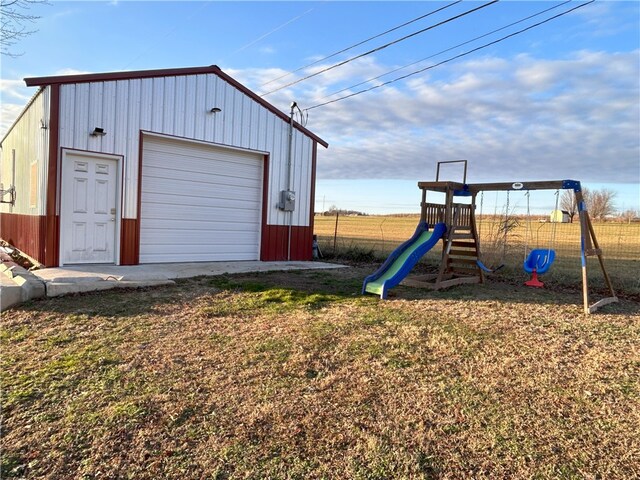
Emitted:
<point x="215" y="110"/>
<point x="98" y="132"/>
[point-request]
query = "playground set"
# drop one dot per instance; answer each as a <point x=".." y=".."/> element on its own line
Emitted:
<point x="455" y="225"/>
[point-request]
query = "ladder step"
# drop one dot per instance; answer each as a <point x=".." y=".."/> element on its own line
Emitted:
<point x="458" y="243"/>
<point x="463" y="253"/>
<point x="462" y="261"/>
<point x="459" y="236"/>
<point x="468" y="272"/>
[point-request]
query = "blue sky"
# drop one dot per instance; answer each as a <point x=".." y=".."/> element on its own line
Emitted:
<point x="559" y="101"/>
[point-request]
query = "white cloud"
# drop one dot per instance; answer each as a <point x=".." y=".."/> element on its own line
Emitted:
<point x="522" y="118"/>
<point x="14" y="90"/>
<point x="15" y="96"/>
<point x="8" y="114"/>
<point x="70" y="71"/>
<point x="513" y="118"/>
<point x="267" y="50"/>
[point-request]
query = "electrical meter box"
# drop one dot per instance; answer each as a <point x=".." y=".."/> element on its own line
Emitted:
<point x="287" y="200"/>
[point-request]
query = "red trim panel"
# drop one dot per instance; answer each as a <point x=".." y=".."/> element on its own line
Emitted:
<point x="52" y="231"/>
<point x="25" y="232"/>
<point x="129" y="241"/>
<point x="110" y="76"/>
<point x="274" y="243"/>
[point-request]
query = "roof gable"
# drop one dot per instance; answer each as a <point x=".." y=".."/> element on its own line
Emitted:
<point x="212" y="69"/>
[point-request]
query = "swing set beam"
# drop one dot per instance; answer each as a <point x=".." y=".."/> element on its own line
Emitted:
<point x="588" y="243"/>
<point x="466" y="189"/>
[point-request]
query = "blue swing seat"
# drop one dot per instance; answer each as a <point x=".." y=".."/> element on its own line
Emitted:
<point x="539" y="260"/>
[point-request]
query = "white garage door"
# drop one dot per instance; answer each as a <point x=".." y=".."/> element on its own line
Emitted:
<point x="200" y="203"/>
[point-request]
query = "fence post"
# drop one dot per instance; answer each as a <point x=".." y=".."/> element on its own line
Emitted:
<point x="335" y="233"/>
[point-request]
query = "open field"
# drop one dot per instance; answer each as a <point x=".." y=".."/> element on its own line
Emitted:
<point x="295" y="375"/>
<point x="620" y="243"/>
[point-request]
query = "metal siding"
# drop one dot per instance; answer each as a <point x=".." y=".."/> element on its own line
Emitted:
<point x="95" y="117"/>
<point x="179" y="113"/>
<point x="179" y="106"/>
<point x="31" y="144"/>
<point x="109" y="118"/>
<point x="189" y="107"/>
<point x="81" y="111"/>
<point x="200" y="99"/>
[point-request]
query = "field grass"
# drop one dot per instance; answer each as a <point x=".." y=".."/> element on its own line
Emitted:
<point x="620" y="242"/>
<point x="295" y="375"/>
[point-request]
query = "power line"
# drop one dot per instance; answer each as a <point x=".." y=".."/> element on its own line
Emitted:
<point x="361" y="43"/>
<point x="446" y="50"/>
<point x="382" y="47"/>
<point x="272" y="31"/>
<point x="450" y="59"/>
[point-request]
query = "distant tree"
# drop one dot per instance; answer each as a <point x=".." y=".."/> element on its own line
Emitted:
<point x="629" y="215"/>
<point x="568" y="203"/>
<point x="15" y="20"/>
<point x="600" y="203"/>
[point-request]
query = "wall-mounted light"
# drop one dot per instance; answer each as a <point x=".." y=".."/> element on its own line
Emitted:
<point x="215" y="110"/>
<point x="98" y="132"/>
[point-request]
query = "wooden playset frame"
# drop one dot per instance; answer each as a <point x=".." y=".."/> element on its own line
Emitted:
<point x="461" y="243"/>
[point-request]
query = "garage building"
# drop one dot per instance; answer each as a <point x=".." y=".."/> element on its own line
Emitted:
<point x="180" y="165"/>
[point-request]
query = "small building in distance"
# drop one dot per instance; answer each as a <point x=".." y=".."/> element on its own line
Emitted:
<point x="560" y="216"/>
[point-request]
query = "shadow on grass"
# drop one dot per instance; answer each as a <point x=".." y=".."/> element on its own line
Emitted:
<point x="312" y="289"/>
<point x="307" y="289"/>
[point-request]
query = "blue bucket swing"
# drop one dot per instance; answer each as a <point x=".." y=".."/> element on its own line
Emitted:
<point x="539" y="260"/>
<point x="537" y="263"/>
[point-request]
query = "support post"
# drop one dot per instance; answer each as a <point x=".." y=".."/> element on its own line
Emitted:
<point x="423" y="206"/>
<point x="588" y="247"/>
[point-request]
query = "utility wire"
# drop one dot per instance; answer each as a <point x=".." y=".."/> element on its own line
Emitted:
<point x="382" y="47"/>
<point x="450" y="59"/>
<point x="362" y="42"/>
<point x="446" y="50"/>
<point x="270" y="32"/>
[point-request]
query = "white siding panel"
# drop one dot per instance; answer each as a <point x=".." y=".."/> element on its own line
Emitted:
<point x="202" y="104"/>
<point x="81" y="111"/>
<point x="199" y="202"/>
<point x="180" y="106"/>
<point x="29" y="137"/>
<point x="189" y="112"/>
<point x="109" y="119"/>
<point x="130" y="149"/>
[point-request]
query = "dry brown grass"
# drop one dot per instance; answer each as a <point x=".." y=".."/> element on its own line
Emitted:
<point x="294" y="375"/>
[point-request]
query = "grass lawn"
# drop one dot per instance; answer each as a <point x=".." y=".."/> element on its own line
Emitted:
<point x="295" y="375"/>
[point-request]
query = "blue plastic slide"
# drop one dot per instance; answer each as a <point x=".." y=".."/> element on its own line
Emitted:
<point x="403" y="259"/>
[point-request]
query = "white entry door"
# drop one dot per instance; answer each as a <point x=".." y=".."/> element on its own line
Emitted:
<point x="88" y="209"/>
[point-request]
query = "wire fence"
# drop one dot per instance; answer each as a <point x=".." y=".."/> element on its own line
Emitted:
<point x="378" y="236"/>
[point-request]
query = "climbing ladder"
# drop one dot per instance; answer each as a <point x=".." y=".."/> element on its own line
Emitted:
<point x="460" y="250"/>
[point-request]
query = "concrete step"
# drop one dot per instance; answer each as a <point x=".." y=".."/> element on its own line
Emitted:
<point x="18" y="285"/>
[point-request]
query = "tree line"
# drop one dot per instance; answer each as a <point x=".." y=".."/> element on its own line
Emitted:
<point x="599" y="203"/>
